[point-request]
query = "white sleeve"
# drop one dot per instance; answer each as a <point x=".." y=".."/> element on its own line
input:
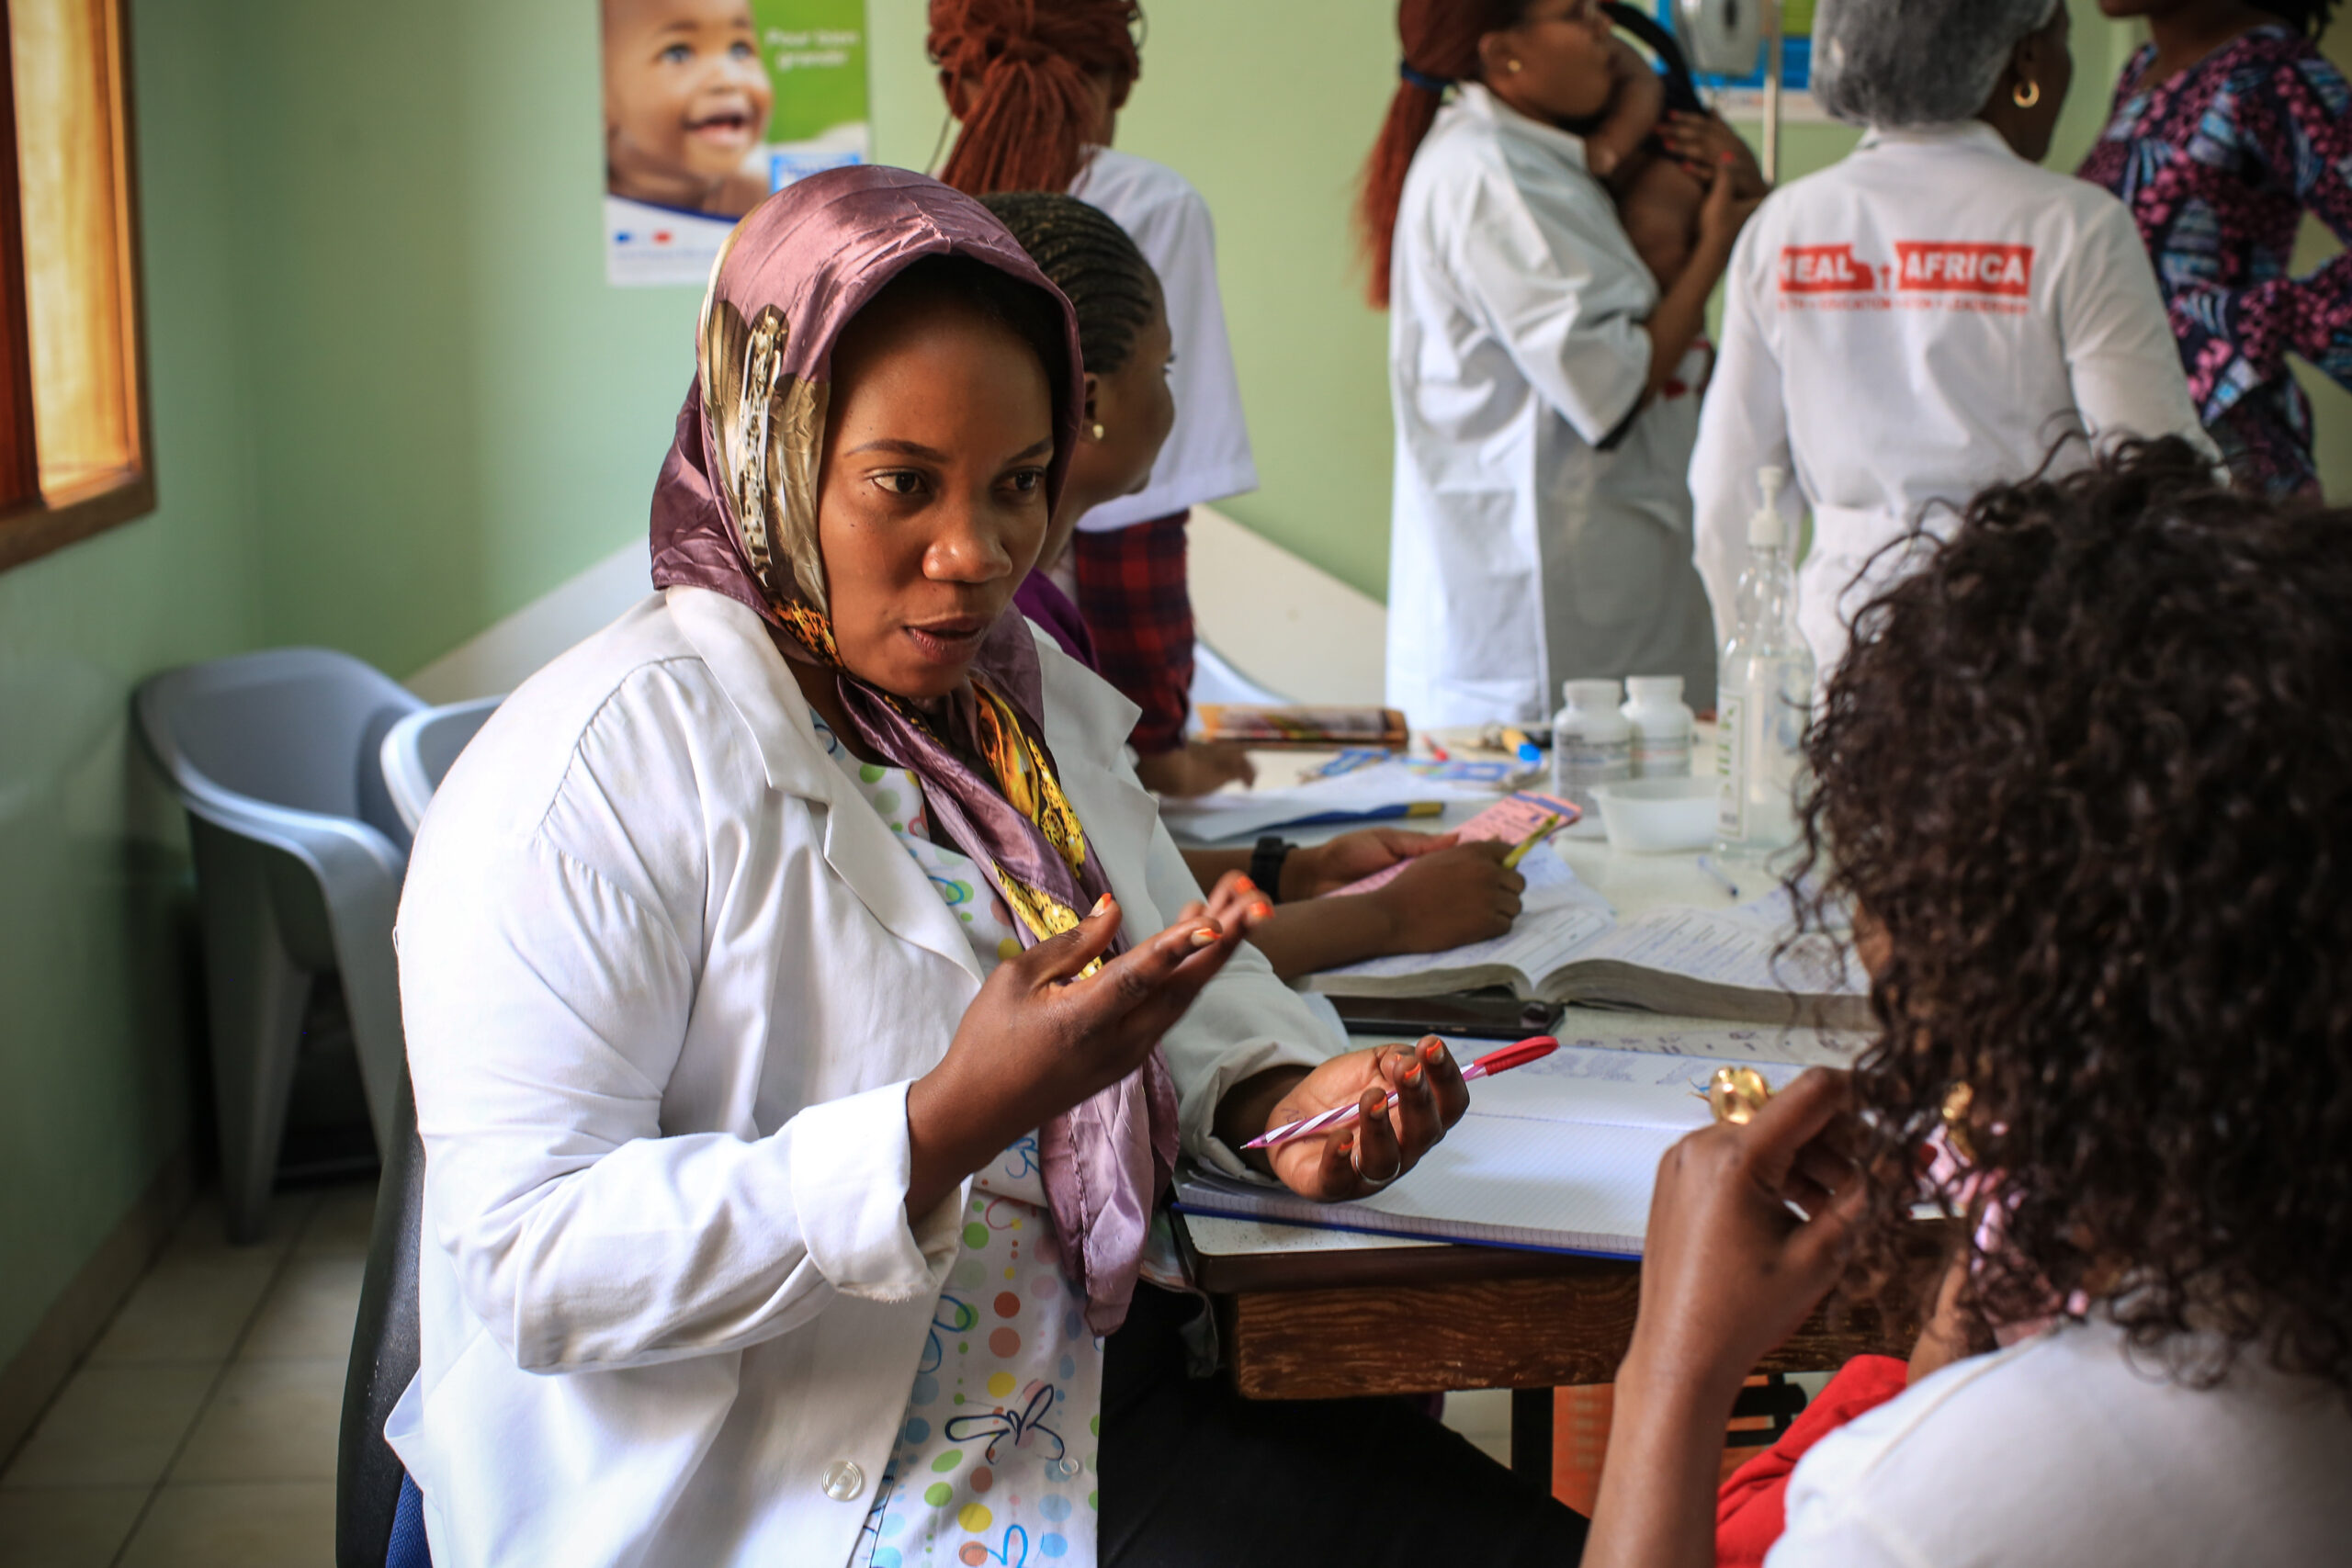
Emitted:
<point x="1545" y="270"/>
<point x="1743" y="426"/>
<point x="1207" y="457"/>
<point x="2121" y="358"/>
<point x="1244" y="1022"/>
<point x="545" y="1007"/>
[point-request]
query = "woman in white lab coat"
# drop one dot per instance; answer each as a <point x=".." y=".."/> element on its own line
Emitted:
<point x="1933" y="315"/>
<point x="798" y="1055"/>
<point x="1545" y="388"/>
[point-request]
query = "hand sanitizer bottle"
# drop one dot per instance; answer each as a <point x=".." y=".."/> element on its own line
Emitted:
<point x="1764" y="693"/>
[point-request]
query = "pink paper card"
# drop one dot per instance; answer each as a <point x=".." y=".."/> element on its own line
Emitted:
<point x="1509" y="819"/>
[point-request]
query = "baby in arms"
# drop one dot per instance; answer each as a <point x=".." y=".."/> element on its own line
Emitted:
<point x="1655" y="164"/>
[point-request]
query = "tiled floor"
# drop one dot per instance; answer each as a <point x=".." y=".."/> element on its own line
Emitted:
<point x="200" y="1433"/>
<point x="201" y="1429"/>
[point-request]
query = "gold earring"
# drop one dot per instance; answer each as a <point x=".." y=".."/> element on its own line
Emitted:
<point x="2026" y="94"/>
<point x="1096" y="431"/>
<point x="1511" y="66"/>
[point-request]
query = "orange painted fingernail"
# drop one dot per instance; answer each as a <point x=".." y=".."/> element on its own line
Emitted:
<point x="1101" y="905"/>
<point x="1243" y="884"/>
<point x="1413" y="1073"/>
<point x="1261" y="909"/>
<point x="1206" y="935"/>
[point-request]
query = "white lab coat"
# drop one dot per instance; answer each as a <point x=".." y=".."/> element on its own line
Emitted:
<point x="666" y="979"/>
<point x="1206" y="456"/>
<point x="1929" y="316"/>
<point x="1522" y="555"/>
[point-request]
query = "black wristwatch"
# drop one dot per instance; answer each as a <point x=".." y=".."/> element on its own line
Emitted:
<point x="1266" y="864"/>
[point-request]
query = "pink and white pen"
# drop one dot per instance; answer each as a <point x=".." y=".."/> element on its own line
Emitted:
<point x="1339" y="1116"/>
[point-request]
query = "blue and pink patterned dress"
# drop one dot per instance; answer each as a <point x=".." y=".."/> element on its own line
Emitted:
<point x="995" y="1462"/>
<point x="2218" y="165"/>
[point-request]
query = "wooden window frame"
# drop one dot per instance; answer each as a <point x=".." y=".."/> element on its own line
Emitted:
<point x="34" y="522"/>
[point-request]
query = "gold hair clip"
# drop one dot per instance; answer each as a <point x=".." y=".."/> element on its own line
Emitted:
<point x="1957" y="1099"/>
<point x="1737" y="1094"/>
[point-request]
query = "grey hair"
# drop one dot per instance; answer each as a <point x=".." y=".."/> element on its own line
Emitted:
<point x="1903" y="62"/>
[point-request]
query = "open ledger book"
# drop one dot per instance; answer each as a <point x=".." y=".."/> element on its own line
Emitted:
<point x="1569" y="946"/>
<point x="1559" y="1156"/>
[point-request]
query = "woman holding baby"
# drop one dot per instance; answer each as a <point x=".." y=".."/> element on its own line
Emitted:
<point x="1545" y="367"/>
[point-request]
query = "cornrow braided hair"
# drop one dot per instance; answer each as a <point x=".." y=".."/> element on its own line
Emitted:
<point x="1021" y="70"/>
<point x="1093" y="261"/>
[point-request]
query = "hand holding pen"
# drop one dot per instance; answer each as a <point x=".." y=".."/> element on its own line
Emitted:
<point x="1391" y="1135"/>
<point x="1502" y="1060"/>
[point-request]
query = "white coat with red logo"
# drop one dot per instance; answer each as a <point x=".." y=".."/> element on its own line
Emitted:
<point x="1929" y="316"/>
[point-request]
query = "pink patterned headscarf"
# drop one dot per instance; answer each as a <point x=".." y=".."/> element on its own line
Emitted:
<point x="735" y="512"/>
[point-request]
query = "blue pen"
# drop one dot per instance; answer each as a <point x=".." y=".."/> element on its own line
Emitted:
<point x="1376" y="814"/>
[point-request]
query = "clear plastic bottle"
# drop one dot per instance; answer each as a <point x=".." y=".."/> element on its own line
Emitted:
<point x="1662" y="726"/>
<point x="1764" y="693"/>
<point x="1591" y="744"/>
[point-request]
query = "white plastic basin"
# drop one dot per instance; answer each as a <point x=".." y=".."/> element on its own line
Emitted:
<point x="1656" y="817"/>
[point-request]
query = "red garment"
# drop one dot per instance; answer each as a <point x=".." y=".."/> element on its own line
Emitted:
<point x="1131" y="589"/>
<point x="1748" y="1516"/>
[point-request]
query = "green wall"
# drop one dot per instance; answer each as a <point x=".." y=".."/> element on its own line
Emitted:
<point x="394" y="400"/>
<point x="94" y="1053"/>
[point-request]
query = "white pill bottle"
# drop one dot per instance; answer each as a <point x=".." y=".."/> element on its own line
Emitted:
<point x="1591" y="744"/>
<point x="1663" y="726"/>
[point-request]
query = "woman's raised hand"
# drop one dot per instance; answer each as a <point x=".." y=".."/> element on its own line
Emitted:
<point x="1042" y="1036"/>
<point x="1727" y="1270"/>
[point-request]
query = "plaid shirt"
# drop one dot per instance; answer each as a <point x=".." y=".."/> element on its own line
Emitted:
<point x="1131" y="590"/>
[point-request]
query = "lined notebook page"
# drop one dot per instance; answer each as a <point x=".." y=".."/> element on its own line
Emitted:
<point x="1729" y="947"/>
<point x="1559" y="1155"/>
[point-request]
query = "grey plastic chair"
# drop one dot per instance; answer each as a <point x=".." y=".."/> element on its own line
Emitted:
<point x="299" y="859"/>
<point x="419" y="750"/>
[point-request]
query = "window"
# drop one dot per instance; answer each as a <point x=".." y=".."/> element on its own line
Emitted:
<point x="74" y="438"/>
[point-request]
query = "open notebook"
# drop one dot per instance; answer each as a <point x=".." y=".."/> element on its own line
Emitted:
<point x="1559" y="1156"/>
<point x="1569" y="946"/>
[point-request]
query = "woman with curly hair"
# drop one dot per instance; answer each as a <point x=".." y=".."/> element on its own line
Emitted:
<point x="2228" y="127"/>
<point x="2086" y="777"/>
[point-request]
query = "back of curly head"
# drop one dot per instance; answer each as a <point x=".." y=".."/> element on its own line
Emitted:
<point x="2090" y="773"/>
<point x="1018" y="70"/>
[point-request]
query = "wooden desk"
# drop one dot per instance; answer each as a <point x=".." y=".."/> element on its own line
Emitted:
<point x="1381" y="1317"/>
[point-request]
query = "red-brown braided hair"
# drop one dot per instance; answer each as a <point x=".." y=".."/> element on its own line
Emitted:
<point x="1441" y="44"/>
<point x="1021" y="66"/>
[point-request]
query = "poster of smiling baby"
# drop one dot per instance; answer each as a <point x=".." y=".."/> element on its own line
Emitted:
<point x="711" y="105"/>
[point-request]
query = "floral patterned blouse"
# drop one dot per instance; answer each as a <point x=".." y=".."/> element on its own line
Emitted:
<point x="2218" y="165"/>
<point x="995" y="1461"/>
